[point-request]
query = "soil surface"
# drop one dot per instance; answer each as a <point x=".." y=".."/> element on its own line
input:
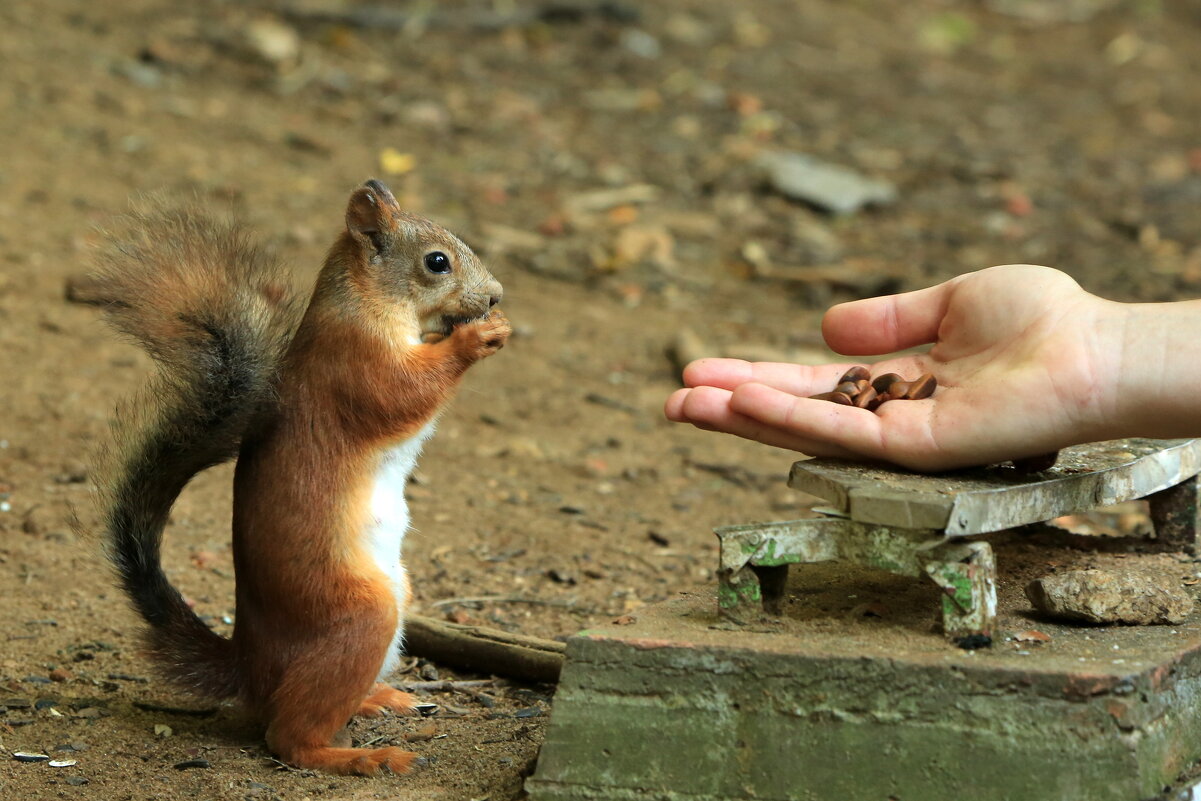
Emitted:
<point x="598" y="155"/>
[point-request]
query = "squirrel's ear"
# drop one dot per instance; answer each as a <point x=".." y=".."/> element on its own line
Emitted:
<point x="371" y="213"/>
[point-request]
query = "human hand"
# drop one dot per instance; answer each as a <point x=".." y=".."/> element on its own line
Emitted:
<point x="1026" y="363"/>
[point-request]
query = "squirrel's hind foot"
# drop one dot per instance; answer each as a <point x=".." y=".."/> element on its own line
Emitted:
<point x="354" y="761"/>
<point x="384" y="697"/>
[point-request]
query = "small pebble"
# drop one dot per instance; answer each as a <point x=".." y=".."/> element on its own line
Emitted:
<point x="188" y="764"/>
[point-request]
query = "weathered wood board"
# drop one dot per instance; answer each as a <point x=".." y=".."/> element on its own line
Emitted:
<point x="981" y="500"/>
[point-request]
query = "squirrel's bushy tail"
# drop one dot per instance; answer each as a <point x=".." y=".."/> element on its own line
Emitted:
<point x="216" y="314"/>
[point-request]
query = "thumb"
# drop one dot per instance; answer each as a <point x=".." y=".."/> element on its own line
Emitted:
<point x="887" y="324"/>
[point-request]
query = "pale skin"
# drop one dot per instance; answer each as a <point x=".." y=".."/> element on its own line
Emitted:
<point x="1027" y="362"/>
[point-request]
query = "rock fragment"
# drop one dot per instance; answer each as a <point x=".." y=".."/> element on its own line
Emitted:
<point x="827" y="186"/>
<point x="1132" y="597"/>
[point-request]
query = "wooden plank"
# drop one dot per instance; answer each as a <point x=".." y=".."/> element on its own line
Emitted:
<point x="988" y="499"/>
<point x="980" y="512"/>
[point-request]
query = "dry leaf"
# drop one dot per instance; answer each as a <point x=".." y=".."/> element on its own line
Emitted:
<point x="421" y="735"/>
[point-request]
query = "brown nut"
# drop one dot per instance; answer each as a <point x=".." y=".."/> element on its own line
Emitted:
<point x="922" y="388"/>
<point x="882" y="383"/>
<point x="847" y="387"/>
<point x="861" y="385"/>
<point x="866" y="399"/>
<point x="841" y="398"/>
<point x="898" y="389"/>
<point x="856" y="373"/>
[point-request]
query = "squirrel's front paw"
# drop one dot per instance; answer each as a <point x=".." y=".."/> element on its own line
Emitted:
<point x="488" y="334"/>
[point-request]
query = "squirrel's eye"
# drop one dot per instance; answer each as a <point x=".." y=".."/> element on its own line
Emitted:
<point x="437" y="262"/>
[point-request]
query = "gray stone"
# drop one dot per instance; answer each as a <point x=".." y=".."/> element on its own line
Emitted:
<point x="674" y="707"/>
<point x="1137" y="597"/>
<point x="1173" y="208"/>
<point x="827" y="186"/>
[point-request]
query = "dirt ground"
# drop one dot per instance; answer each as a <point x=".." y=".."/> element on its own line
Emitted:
<point x="598" y="155"/>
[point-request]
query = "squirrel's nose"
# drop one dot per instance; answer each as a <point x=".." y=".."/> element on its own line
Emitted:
<point x="492" y="301"/>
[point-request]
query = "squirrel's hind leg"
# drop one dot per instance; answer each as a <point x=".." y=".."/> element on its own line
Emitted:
<point x="322" y="688"/>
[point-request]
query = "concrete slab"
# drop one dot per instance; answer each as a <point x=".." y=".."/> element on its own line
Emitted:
<point x="831" y="701"/>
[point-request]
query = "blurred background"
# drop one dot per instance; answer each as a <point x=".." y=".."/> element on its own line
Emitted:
<point x="652" y="182"/>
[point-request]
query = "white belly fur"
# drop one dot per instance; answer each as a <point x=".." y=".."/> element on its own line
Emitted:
<point x="388" y="524"/>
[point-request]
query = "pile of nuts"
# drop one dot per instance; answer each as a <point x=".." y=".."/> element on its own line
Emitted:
<point x="857" y="388"/>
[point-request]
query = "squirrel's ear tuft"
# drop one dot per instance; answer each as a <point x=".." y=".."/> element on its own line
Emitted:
<point x="371" y="213"/>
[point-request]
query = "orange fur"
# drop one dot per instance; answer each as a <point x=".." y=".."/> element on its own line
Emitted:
<point x="338" y="415"/>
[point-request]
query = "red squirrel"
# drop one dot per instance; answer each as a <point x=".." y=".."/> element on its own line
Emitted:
<point x="326" y="412"/>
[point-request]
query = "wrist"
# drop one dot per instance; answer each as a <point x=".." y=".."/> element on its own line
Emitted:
<point x="1104" y="402"/>
<point x="1156" y="372"/>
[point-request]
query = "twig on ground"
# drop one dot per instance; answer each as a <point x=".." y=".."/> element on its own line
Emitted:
<point x="498" y="599"/>
<point x="444" y="686"/>
<point x="484" y="650"/>
<point x="147" y="706"/>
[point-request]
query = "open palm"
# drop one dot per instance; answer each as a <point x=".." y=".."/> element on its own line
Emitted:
<point x="1019" y="352"/>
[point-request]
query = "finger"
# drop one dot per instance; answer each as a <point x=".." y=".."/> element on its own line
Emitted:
<point x="709" y="409"/>
<point x="797" y="379"/>
<point x="887" y="324"/>
<point x="828" y="424"/>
